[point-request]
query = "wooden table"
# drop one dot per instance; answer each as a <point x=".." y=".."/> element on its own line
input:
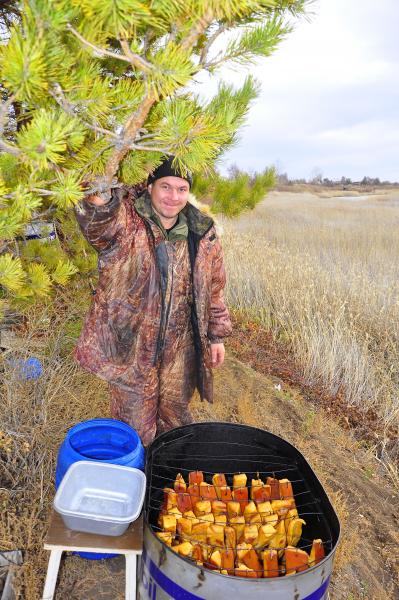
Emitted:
<point x="59" y="539"/>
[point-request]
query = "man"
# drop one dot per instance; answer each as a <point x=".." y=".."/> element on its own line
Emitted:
<point x="158" y="319"/>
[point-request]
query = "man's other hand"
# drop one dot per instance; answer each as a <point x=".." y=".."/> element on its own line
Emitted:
<point x="217" y="354"/>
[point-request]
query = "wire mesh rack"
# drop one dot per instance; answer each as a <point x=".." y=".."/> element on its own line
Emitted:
<point x="213" y="450"/>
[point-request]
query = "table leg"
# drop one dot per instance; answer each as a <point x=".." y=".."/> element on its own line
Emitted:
<point x="52" y="574"/>
<point x="131" y="576"/>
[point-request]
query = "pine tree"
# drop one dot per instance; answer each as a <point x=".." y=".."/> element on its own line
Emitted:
<point x="96" y="91"/>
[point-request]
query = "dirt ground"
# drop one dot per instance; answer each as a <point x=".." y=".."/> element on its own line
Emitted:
<point x="367" y="561"/>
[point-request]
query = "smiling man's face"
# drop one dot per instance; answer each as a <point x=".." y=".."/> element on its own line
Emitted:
<point x="169" y="195"/>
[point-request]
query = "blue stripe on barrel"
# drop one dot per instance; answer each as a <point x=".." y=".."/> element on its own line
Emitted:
<point x="178" y="593"/>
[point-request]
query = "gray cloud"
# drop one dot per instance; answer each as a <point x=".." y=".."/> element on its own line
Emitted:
<point x="329" y="96"/>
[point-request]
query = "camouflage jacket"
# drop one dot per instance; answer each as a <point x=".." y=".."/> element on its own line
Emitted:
<point x="127" y="316"/>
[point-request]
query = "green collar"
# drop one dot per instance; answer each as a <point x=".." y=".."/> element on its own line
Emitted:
<point x="190" y="219"/>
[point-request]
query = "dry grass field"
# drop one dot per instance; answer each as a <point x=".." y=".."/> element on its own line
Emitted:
<point x="323" y="274"/>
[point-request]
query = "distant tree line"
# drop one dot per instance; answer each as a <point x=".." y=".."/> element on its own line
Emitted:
<point x="344" y="182"/>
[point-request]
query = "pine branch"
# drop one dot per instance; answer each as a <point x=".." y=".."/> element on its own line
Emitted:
<point x="96" y="49"/>
<point x="173" y="33"/>
<point x="6" y="146"/>
<point x="42" y="192"/>
<point x="197" y="30"/>
<point x="257" y="41"/>
<point x="137" y="120"/>
<point x="94" y="159"/>
<point x="9" y="148"/>
<point x="212" y="38"/>
<point x="133" y="124"/>
<point x="147" y="40"/>
<point x="136" y="60"/>
<point x="70" y="108"/>
<point x="149" y="148"/>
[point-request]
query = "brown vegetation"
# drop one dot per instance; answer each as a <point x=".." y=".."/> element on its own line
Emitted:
<point x="322" y="276"/>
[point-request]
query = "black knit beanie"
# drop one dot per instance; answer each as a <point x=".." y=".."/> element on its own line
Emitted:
<point x="166" y="169"/>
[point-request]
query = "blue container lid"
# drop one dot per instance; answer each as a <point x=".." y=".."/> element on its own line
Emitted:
<point x="108" y="440"/>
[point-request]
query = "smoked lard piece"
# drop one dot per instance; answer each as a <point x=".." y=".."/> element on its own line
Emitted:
<point x="266" y="533"/>
<point x="242" y="549"/>
<point x="238" y="523"/>
<point x="241" y="495"/>
<point x="180" y="485"/>
<point x="184" y="549"/>
<point x="262" y="494"/>
<point x="207" y="491"/>
<point x="243" y="571"/>
<point x="170" y="498"/>
<point x="251" y="560"/>
<point x="221" y="520"/>
<point x="202" y="507"/>
<point x="249" y="511"/>
<point x="219" y="481"/>
<point x="281" y="507"/>
<point x="270" y="563"/>
<point x="175" y="511"/>
<point x="239" y="481"/>
<point x="215" y="560"/>
<point x="270" y="520"/>
<point x="291" y="514"/>
<point x="279" y="539"/>
<point x="184" y="528"/>
<point x="190" y="515"/>
<point x="168" y="523"/>
<point x="274" y="488"/>
<point x="195" y="477"/>
<point x="294" y="531"/>
<point x="224" y="493"/>
<point x="215" y="536"/>
<point x="265" y="508"/>
<point x="199" y="532"/>
<point x="208" y="517"/>
<point x="228" y="560"/>
<point x="256" y="518"/>
<point x="219" y="508"/>
<point x="296" y="560"/>
<point x="165" y="536"/>
<point x="256" y="484"/>
<point x="233" y="509"/>
<point x="184" y="501"/>
<point x="250" y="533"/>
<point x="197" y="554"/>
<point x="193" y="491"/>
<point x="230" y="538"/>
<point x="285" y="487"/>
<point x="317" y="553"/>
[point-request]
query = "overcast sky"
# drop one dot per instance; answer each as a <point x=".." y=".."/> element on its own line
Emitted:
<point x="330" y="96"/>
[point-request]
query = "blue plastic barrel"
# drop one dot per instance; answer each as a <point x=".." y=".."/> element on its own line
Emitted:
<point x="101" y="440"/>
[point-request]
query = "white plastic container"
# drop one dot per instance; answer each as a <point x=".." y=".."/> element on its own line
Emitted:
<point x="101" y="498"/>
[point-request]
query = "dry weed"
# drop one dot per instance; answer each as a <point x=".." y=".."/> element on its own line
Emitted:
<point x="34" y="417"/>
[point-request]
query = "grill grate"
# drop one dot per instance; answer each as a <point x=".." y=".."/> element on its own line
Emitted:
<point x="211" y="448"/>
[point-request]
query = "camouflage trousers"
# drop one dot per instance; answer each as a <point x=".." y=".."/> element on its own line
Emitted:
<point x="156" y="398"/>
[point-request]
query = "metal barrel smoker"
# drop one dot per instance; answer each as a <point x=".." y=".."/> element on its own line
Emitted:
<point x="229" y="448"/>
